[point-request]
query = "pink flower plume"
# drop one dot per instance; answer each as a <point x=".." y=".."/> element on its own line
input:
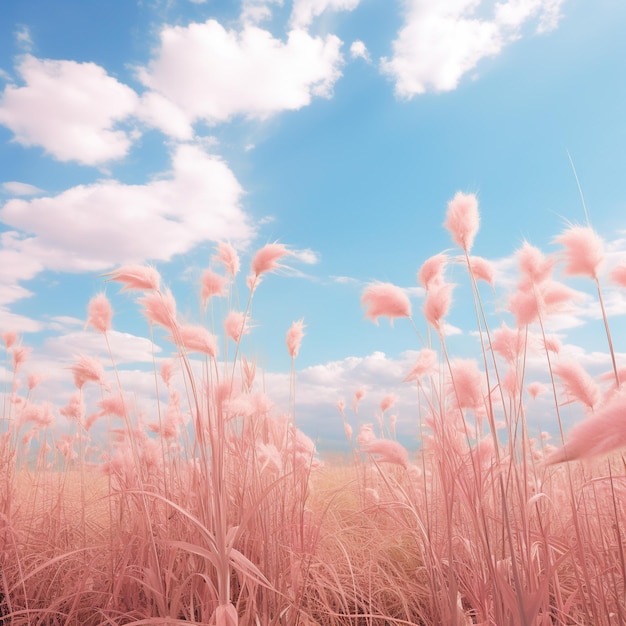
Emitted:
<point x="195" y="339"/>
<point x="426" y="363"/>
<point x="577" y="382"/>
<point x="9" y="337"/>
<point x="603" y="432"/>
<point x="387" y="402"/>
<point x="618" y="275"/>
<point x="100" y="313"/>
<point x="437" y="304"/>
<point x="534" y="266"/>
<point x="136" y="277"/>
<point x="358" y="396"/>
<point x="536" y="388"/>
<point x="265" y="259"/>
<point x="212" y="285"/>
<point x="482" y="269"/>
<point x="227" y="255"/>
<point x="160" y="308"/>
<point x="235" y="325"/>
<point x="584" y="251"/>
<point x="466" y="383"/>
<point x="387" y="451"/>
<point x="432" y="269"/>
<point x="508" y="343"/>
<point x="87" y="369"/>
<point x="462" y="219"/>
<point x="294" y="338"/>
<point x="385" y="299"/>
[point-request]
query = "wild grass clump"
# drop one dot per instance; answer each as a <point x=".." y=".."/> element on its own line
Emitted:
<point x="214" y="508"/>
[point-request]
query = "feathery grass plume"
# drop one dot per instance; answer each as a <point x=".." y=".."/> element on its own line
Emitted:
<point x="141" y="277"/>
<point x="366" y="435"/>
<point x="584" y="251"/>
<point x="227" y="255"/>
<point x="212" y="285"/>
<point x="601" y="433"/>
<point x="509" y="343"/>
<point x="195" y="338"/>
<point x="388" y="401"/>
<point x="40" y="414"/>
<point x="426" y="363"/>
<point x="552" y="343"/>
<point x="167" y="370"/>
<point x="9" y="337"/>
<point x="529" y="302"/>
<point x="618" y="275"/>
<point x="100" y="313"/>
<point x="466" y="383"/>
<point x="437" y="304"/>
<point x="535" y="389"/>
<point x="358" y="396"/>
<point x="534" y="266"/>
<point x="19" y="354"/>
<point x="386" y="451"/>
<point x="265" y="259"/>
<point x="236" y="325"/>
<point x="431" y="271"/>
<point x="113" y="405"/>
<point x="463" y="220"/>
<point x="33" y="380"/>
<point x="385" y="300"/>
<point x="75" y="408"/>
<point x="577" y="382"/>
<point x="482" y="269"/>
<point x="87" y="369"/>
<point x="160" y="308"/>
<point x="294" y="338"/>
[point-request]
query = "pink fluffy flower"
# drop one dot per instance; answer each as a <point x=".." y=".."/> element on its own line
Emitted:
<point x="437" y="304"/>
<point x="100" y="313"/>
<point x="466" y="383"/>
<point x="235" y="325"/>
<point x="387" y="451"/>
<point x="160" y="308"/>
<point x="113" y="405"/>
<point x="196" y="339"/>
<point x="482" y="269"/>
<point x="87" y="369"/>
<point x="385" y="299"/>
<point x="603" y="432"/>
<point x="387" y="402"/>
<point x="618" y="275"/>
<point x="265" y="259"/>
<point x="227" y="255"/>
<point x="425" y="363"/>
<point x="584" y="251"/>
<point x="536" y="388"/>
<point x="462" y="219"/>
<point x="212" y="285"/>
<point x="358" y="396"/>
<point x="20" y="354"/>
<point x="509" y="343"/>
<point x="534" y="266"/>
<point x="577" y="382"/>
<point x="432" y="270"/>
<point x="75" y="408"/>
<point x="294" y="338"/>
<point x="136" y="277"/>
<point x="9" y="337"/>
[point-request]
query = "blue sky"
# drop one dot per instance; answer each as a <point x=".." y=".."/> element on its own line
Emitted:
<point x="145" y="131"/>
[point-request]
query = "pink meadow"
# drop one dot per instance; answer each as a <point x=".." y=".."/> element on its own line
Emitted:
<point x="215" y="508"/>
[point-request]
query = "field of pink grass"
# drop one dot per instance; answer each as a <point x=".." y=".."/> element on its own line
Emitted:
<point x="217" y="510"/>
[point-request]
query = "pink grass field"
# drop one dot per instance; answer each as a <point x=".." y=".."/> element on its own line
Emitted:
<point x="215" y="509"/>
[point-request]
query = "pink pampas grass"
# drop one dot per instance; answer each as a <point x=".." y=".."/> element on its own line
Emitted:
<point x="601" y="433"/>
<point x="136" y="277"/>
<point x="227" y="255"/>
<point x="196" y="339"/>
<point x="387" y="451"/>
<point x="9" y="337"/>
<point x="294" y="338"/>
<point x="87" y="369"/>
<point x="437" y="304"/>
<point x="618" y="275"/>
<point x="235" y="325"/>
<point x="431" y="272"/>
<point x="583" y="251"/>
<point x="385" y="300"/>
<point x="265" y="259"/>
<point x="160" y="308"/>
<point x="482" y="269"/>
<point x="212" y="285"/>
<point x="426" y="363"/>
<point x="463" y="220"/>
<point x="100" y="313"/>
<point x="577" y="382"/>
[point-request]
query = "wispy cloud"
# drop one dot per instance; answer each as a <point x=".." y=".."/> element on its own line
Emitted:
<point x="440" y="42"/>
<point x="16" y="188"/>
<point x="70" y="109"/>
<point x="305" y="11"/>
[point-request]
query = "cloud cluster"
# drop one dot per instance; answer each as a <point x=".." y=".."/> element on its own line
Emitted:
<point x="440" y="42"/>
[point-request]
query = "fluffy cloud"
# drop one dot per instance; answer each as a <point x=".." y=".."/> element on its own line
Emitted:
<point x="70" y="109"/>
<point x="91" y="227"/>
<point x="304" y="11"/>
<point x="440" y="42"/>
<point x="359" y="51"/>
<point x="212" y="74"/>
<point x="16" y="188"/>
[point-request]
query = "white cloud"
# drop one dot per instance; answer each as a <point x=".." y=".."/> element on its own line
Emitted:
<point x="440" y="42"/>
<point x="255" y="11"/>
<point x="305" y="11"/>
<point x="308" y="256"/>
<point x="16" y="188"/>
<point x="92" y="227"/>
<point x="213" y="74"/>
<point x="23" y="38"/>
<point x="70" y="109"/>
<point x="359" y="51"/>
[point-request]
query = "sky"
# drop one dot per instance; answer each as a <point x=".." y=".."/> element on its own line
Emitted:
<point x="146" y="131"/>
